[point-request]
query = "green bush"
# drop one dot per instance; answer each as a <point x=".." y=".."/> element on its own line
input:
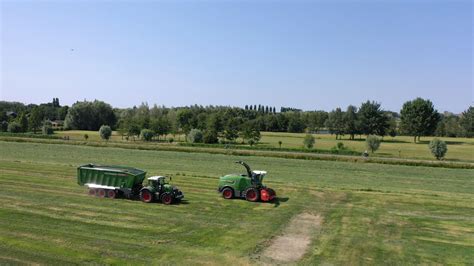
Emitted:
<point x="86" y="136"/>
<point x="438" y="148"/>
<point x="340" y="146"/>
<point x="147" y="134"/>
<point x="4" y="126"/>
<point x="47" y="129"/>
<point x="210" y="137"/>
<point x="195" y="136"/>
<point x="309" y="141"/>
<point x="372" y="143"/>
<point x="105" y="132"/>
<point x="14" y="127"/>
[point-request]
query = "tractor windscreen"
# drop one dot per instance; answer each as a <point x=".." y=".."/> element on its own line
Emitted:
<point x="259" y="178"/>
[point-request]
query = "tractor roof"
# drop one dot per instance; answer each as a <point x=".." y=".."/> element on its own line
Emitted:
<point x="154" y="178"/>
<point x="257" y="172"/>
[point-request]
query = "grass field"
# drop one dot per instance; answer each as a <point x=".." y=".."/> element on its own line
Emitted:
<point x="459" y="149"/>
<point x="371" y="213"/>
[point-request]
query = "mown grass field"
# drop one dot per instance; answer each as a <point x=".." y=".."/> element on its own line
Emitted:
<point x="459" y="149"/>
<point x="371" y="213"/>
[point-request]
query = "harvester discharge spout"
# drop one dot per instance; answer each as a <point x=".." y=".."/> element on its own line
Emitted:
<point x="247" y="167"/>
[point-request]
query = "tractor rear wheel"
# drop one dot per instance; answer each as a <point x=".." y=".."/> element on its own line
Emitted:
<point x="252" y="194"/>
<point x="111" y="194"/>
<point x="227" y="193"/>
<point x="146" y="196"/>
<point x="166" y="198"/>
<point x="100" y="193"/>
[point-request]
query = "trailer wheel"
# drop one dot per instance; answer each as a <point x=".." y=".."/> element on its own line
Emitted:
<point x="100" y="193"/>
<point x="146" y="196"/>
<point x="251" y="194"/>
<point x="91" y="192"/>
<point x="166" y="198"/>
<point x="227" y="193"/>
<point x="111" y="194"/>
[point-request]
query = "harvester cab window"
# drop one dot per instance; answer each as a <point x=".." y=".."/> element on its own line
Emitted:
<point x="257" y="176"/>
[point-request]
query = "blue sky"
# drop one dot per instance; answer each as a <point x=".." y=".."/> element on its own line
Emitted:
<point x="305" y="54"/>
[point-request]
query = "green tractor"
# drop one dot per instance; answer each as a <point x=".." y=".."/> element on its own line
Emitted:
<point x="158" y="189"/>
<point x="248" y="186"/>
<point x="114" y="181"/>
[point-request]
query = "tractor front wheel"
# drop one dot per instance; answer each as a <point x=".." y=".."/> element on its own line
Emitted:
<point x="227" y="193"/>
<point x="252" y="194"/>
<point x="146" y="196"/>
<point x="166" y="198"/>
<point x="267" y="194"/>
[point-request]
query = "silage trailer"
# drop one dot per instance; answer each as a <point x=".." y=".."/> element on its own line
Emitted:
<point x="113" y="181"/>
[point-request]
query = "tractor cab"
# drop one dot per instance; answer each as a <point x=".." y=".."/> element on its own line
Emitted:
<point x="257" y="177"/>
<point x="157" y="182"/>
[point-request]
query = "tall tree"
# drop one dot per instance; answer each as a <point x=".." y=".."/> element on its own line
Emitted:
<point x="231" y="131"/>
<point x="173" y="119"/>
<point x="250" y="132"/>
<point x="90" y="115"/>
<point x="467" y="122"/>
<point x="351" y="121"/>
<point x="295" y="123"/>
<point x="372" y="119"/>
<point x="160" y="126"/>
<point x="419" y="118"/>
<point x="184" y="117"/>
<point x="335" y="122"/>
<point x="35" y="119"/>
<point x="23" y="120"/>
<point x="142" y="115"/>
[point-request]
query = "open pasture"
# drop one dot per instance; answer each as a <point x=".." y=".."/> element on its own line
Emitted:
<point x="368" y="213"/>
<point x="459" y="149"/>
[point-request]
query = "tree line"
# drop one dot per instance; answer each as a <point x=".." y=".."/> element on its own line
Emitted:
<point x="211" y="124"/>
<point x="17" y="117"/>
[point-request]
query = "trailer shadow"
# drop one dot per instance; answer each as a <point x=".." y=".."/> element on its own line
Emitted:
<point x="136" y="199"/>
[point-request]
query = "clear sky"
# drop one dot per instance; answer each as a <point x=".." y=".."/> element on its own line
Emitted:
<point x="304" y="54"/>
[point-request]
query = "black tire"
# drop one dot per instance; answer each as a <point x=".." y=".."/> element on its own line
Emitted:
<point x="228" y="193"/>
<point x="146" y="196"/>
<point x="166" y="198"/>
<point x="252" y="194"/>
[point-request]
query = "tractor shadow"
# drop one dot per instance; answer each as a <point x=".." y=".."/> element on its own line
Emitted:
<point x="277" y="201"/>
<point x="182" y="202"/>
